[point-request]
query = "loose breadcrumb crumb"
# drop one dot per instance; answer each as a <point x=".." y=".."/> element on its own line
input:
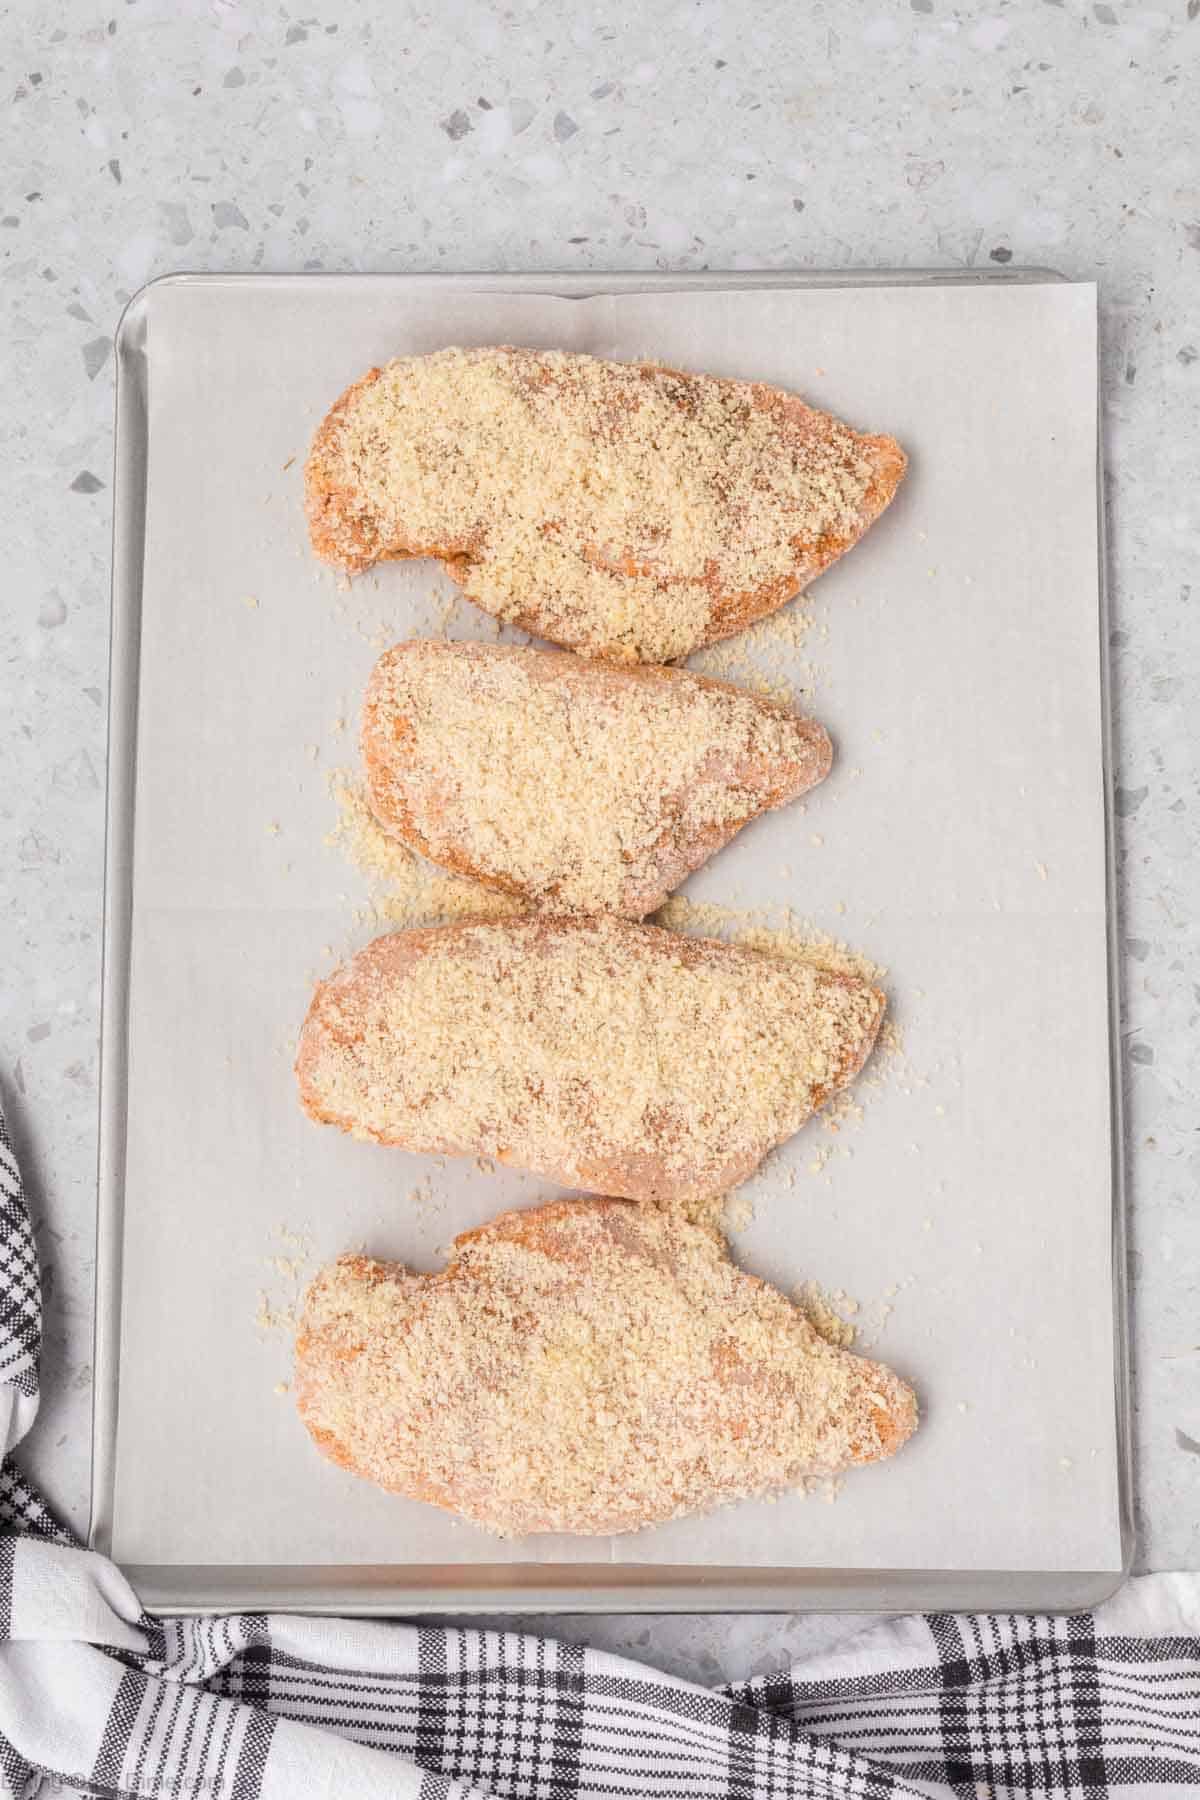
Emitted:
<point x="766" y="658"/>
<point x="737" y="1212"/>
<point x="821" y="1311"/>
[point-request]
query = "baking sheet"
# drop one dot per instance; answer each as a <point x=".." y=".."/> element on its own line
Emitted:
<point x="960" y="841"/>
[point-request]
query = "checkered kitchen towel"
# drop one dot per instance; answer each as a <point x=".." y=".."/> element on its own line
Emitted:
<point x="97" y="1698"/>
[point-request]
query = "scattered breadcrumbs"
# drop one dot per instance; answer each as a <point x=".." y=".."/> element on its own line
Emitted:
<point x="273" y="1315"/>
<point x="820" y="1310"/>
<point x="737" y="1212"/>
<point x="406" y="890"/>
<point x="629" y="510"/>
<point x="766" y="657"/>
<point x="365" y="625"/>
<point x="580" y="786"/>
<point x="449" y="612"/>
<point x="775" y="930"/>
<point x="425" y="1199"/>
<point x="587" y="1367"/>
<point x="291" y="1266"/>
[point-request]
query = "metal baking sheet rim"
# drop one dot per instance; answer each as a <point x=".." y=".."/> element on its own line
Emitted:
<point x="508" y="1588"/>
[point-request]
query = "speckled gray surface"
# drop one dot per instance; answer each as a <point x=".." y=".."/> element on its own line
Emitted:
<point x="233" y="136"/>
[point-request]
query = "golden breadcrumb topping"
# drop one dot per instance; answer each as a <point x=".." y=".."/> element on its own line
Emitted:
<point x="616" y="1057"/>
<point x="583" y="788"/>
<point x="588" y="1367"/>
<point x="629" y="510"/>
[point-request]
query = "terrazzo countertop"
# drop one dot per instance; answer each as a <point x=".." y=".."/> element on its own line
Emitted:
<point x="153" y="137"/>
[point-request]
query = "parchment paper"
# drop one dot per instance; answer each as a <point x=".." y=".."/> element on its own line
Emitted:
<point x="959" y="841"/>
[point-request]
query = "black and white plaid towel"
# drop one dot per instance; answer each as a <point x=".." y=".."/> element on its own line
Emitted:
<point x="97" y="1698"/>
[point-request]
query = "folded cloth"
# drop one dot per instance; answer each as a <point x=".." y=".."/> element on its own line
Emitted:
<point x="98" y="1698"/>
